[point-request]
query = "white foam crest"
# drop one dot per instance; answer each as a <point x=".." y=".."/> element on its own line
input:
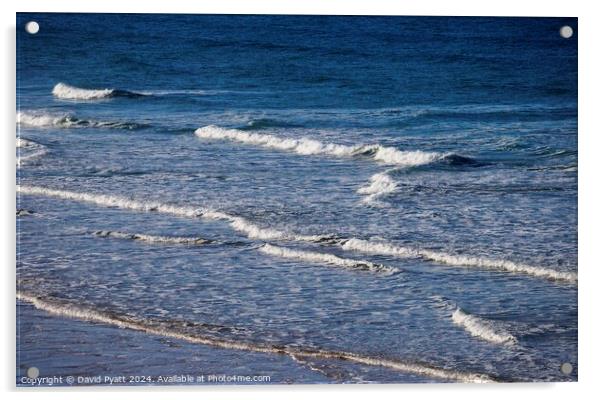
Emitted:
<point x="306" y="146"/>
<point x="382" y="248"/>
<point x="380" y="185"/>
<point x="24" y="143"/>
<point x="111" y="201"/>
<point x="455" y="260"/>
<point x="64" y="91"/>
<point x="390" y="155"/>
<point x="504" y="265"/>
<point x="325" y="258"/>
<point x="126" y="322"/>
<point x="253" y="231"/>
<point x="39" y="119"/>
<point x="301" y="146"/>
<point x="482" y="328"/>
<point x="153" y="238"/>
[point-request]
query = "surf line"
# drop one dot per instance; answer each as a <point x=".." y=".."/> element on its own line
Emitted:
<point x="253" y="231"/>
<point x="80" y="313"/>
<point x="196" y="241"/>
<point x="240" y="224"/>
<point x="306" y="146"/>
<point x="482" y="328"/>
<point x="63" y="91"/>
<point x="267" y="248"/>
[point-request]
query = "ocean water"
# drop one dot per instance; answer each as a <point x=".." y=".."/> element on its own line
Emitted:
<point x="314" y="199"/>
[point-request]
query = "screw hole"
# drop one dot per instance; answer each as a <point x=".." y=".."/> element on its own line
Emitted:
<point x="566" y="31"/>
<point x="32" y="27"/>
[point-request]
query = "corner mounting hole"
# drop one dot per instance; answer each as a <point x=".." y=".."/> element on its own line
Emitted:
<point x="566" y="368"/>
<point x="32" y="27"/>
<point x="33" y="372"/>
<point x="566" y="31"/>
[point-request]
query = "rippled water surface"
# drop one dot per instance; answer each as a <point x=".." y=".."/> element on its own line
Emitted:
<point x="317" y="199"/>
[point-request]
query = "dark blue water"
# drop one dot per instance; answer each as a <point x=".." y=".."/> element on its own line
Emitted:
<point x="435" y="157"/>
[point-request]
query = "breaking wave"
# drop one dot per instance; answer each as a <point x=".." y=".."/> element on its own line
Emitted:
<point x="380" y="185"/>
<point x="253" y="231"/>
<point x="306" y="146"/>
<point x="64" y="309"/>
<point x="153" y="238"/>
<point x="384" y="248"/>
<point x="482" y="328"/>
<point x="325" y="258"/>
<point x="64" y="91"/>
<point x="112" y="201"/>
<point x="44" y="120"/>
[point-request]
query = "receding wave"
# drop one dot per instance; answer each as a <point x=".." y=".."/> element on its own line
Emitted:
<point x="381" y="184"/>
<point x="64" y="91"/>
<point x="253" y="231"/>
<point x="324" y="258"/>
<point x="306" y="146"/>
<point x="74" y="311"/>
<point x="384" y="248"/>
<point x="196" y="241"/>
<point x="482" y="328"/>
<point x="46" y="120"/>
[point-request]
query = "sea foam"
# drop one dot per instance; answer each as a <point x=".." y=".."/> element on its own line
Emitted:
<point x="39" y="119"/>
<point x="381" y="184"/>
<point x="112" y="201"/>
<point x="24" y="143"/>
<point x="154" y="238"/>
<point x="325" y="258"/>
<point x="384" y="248"/>
<point x="482" y="328"/>
<point x="306" y="146"/>
<point x="64" y="91"/>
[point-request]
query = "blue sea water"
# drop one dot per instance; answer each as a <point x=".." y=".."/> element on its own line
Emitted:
<point x="395" y="189"/>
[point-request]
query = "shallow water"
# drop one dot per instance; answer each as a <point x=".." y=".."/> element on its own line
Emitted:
<point x="283" y="141"/>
